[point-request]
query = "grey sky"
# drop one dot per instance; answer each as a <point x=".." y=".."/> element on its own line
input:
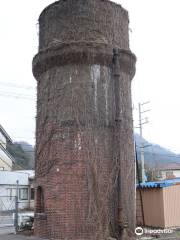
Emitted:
<point x="154" y="38"/>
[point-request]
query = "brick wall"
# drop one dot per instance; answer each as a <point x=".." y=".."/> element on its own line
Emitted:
<point x="80" y="148"/>
<point x="139" y="217"/>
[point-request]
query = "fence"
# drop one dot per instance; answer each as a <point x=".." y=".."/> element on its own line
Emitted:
<point x="7" y="210"/>
<point x="13" y="213"/>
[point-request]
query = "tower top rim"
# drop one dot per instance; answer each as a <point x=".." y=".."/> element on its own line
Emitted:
<point x="58" y="2"/>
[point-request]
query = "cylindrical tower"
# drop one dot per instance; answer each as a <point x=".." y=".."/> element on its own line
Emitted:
<point x="85" y="185"/>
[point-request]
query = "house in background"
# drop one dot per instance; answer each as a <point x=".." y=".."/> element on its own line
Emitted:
<point x="169" y="171"/>
<point x="16" y="183"/>
<point x="6" y="160"/>
<point x="31" y="187"/>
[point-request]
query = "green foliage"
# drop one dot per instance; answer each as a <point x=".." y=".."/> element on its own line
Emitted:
<point x="22" y="157"/>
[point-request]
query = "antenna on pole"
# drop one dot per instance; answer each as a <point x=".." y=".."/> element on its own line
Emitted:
<point x="142" y="121"/>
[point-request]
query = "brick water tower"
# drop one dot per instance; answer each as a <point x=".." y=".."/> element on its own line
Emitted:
<point x="85" y="183"/>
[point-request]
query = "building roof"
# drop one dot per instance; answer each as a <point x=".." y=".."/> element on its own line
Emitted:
<point x="31" y="173"/>
<point x="3" y="131"/>
<point x="11" y="178"/>
<point x="160" y="184"/>
<point x="170" y="166"/>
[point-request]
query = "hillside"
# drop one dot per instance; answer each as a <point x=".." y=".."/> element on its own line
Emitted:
<point x="156" y="155"/>
<point x="23" y="154"/>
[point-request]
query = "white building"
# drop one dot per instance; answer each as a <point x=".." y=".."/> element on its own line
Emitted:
<point x="13" y="183"/>
<point x="170" y="171"/>
<point x="6" y="160"/>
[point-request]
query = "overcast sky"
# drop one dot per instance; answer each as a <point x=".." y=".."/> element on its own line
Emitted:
<point x="154" y="38"/>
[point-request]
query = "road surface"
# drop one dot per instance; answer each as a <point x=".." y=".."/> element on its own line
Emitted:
<point x="17" y="237"/>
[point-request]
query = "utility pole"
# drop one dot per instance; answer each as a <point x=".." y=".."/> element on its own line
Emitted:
<point x="141" y="123"/>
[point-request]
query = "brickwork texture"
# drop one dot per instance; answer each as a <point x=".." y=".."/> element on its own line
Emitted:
<point x="84" y="132"/>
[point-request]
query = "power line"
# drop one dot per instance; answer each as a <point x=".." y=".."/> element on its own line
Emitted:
<point x="8" y="84"/>
<point x="17" y="96"/>
<point x="158" y="154"/>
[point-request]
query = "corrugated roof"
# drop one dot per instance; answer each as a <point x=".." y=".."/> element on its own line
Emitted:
<point x="159" y="184"/>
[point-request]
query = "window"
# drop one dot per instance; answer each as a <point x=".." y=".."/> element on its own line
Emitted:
<point x="23" y="194"/>
<point x="39" y="200"/>
<point x="32" y="193"/>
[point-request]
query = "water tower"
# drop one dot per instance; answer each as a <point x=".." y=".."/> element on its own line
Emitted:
<point x="85" y="183"/>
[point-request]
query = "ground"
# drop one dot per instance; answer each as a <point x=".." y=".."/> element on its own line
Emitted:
<point x="173" y="236"/>
<point x="21" y="237"/>
<point x="6" y="234"/>
<point x="16" y="237"/>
